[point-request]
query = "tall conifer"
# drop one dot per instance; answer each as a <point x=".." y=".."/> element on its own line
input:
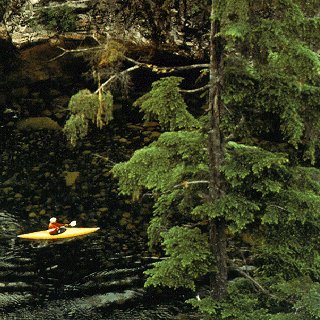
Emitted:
<point x="237" y="191"/>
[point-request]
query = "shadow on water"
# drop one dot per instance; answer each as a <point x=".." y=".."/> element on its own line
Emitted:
<point x="80" y="278"/>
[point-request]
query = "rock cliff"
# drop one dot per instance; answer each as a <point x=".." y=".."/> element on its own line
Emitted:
<point x="35" y="83"/>
<point x="178" y="25"/>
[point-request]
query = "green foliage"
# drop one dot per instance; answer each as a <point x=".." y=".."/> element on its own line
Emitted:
<point x="85" y="103"/>
<point x="271" y="64"/>
<point x="309" y="305"/>
<point x="274" y="188"/>
<point x="242" y="161"/>
<point x="60" y="18"/>
<point x="304" y="296"/>
<point x="165" y="103"/>
<point x="165" y="163"/>
<point x="263" y="187"/>
<point x="235" y="10"/>
<point x="236" y="31"/>
<point x="289" y="249"/>
<point x="299" y="201"/>
<point x="235" y="208"/>
<point x="85" y="107"/>
<point x="157" y="225"/>
<point x="301" y="296"/>
<point x="242" y="303"/>
<point x="188" y="259"/>
<point x="238" y="13"/>
<point x="76" y="128"/>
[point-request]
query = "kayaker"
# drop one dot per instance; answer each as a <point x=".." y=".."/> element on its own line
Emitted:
<point x="54" y="227"/>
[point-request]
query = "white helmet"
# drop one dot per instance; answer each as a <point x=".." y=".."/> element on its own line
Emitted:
<point x="53" y="220"/>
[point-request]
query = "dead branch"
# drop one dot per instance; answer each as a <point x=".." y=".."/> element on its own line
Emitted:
<point x="108" y="163"/>
<point x="195" y="90"/>
<point x="65" y="51"/>
<point x="237" y="127"/>
<point x="163" y="69"/>
<point x="254" y="282"/>
<point x="153" y="67"/>
<point x="186" y="184"/>
<point x="106" y="83"/>
<point x="137" y="64"/>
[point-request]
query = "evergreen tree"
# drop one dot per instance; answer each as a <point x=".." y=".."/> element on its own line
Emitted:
<point x="236" y="192"/>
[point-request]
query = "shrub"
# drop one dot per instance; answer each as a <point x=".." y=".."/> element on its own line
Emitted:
<point x="60" y="19"/>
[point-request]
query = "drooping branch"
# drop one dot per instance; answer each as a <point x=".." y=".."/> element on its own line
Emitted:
<point x="254" y="282"/>
<point x="113" y="77"/>
<point x="207" y="86"/>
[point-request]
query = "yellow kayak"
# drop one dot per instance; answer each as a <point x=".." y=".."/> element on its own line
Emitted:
<point x="69" y="233"/>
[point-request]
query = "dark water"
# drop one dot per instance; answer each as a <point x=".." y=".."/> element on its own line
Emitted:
<point x="82" y="278"/>
<point x="98" y="276"/>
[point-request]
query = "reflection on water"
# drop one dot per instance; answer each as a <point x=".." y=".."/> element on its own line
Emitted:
<point x="81" y="278"/>
<point x="139" y="312"/>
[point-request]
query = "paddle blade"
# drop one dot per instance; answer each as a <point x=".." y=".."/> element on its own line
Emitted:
<point x="73" y="223"/>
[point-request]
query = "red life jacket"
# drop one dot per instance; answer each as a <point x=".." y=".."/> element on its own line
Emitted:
<point x="55" y="226"/>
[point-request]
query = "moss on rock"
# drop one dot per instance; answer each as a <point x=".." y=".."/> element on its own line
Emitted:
<point x="37" y="123"/>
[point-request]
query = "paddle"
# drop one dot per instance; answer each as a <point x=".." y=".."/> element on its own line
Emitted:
<point x="72" y="224"/>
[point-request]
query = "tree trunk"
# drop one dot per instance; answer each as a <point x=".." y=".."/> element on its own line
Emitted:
<point x="217" y="226"/>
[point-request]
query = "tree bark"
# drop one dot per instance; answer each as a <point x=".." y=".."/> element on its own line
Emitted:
<point x="217" y="226"/>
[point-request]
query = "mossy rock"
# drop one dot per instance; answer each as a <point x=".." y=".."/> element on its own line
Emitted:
<point x="18" y="196"/>
<point x="33" y="215"/>
<point x="71" y="177"/>
<point x="38" y="123"/>
<point x="7" y="190"/>
<point x="126" y="215"/>
<point x="130" y="226"/>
